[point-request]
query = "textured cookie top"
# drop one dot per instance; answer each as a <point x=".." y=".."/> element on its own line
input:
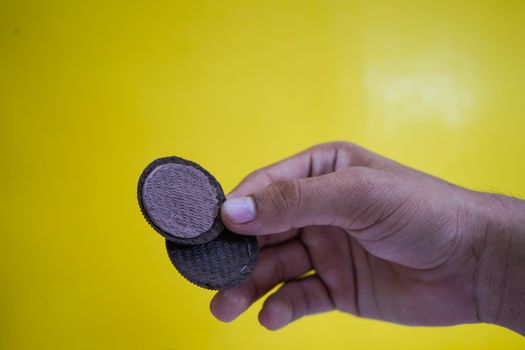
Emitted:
<point x="222" y="263"/>
<point x="180" y="200"/>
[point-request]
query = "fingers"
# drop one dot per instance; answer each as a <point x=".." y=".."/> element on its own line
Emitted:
<point x="317" y="160"/>
<point x="294" y="167"/>
<point x="331" y="199"/>
<point x="294" y="300"/>
<point x="276" y="264"/>
<point x="332" y="257"/>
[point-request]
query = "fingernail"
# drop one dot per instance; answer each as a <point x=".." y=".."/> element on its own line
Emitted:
<point x="240" y="210"/>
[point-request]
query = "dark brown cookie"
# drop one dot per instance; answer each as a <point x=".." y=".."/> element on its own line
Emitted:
<point x="181" y="200"/>
<point x="222" y="263"/>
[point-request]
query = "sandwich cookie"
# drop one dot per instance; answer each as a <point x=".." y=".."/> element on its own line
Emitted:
<point x="182" y="201"/>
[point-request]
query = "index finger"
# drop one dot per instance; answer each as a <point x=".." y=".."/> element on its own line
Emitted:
<point x="314" y="161"/>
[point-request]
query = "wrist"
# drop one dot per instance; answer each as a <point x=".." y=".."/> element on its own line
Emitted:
<point x="499" y="250"/>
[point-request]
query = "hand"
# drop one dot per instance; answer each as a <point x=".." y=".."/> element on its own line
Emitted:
<point x="383" y="241"/>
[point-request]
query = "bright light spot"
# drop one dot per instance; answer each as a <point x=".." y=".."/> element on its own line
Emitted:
<point x="433" y="85"/>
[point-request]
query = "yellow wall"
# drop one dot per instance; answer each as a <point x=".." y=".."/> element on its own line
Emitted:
<point x="91" y="91"/>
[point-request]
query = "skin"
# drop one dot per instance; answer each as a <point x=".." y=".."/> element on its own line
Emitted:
<point x="378" y="240"/>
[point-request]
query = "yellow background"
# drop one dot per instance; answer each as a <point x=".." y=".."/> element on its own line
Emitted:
<point x="91" y="91"/>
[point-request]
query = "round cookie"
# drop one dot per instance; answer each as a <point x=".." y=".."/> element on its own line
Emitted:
<point x="222" y="263"/>
<point x="181" y="200"/>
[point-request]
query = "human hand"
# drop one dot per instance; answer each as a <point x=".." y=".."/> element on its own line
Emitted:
<point x="384" y="241"/>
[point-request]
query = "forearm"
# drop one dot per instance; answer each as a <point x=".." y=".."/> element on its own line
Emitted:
<point x="500" y="274"/>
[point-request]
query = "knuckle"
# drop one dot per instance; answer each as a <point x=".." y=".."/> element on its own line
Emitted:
<point x="344" y="145"/>
<point x="335" y="144"/>
<point x="340" y="154"/>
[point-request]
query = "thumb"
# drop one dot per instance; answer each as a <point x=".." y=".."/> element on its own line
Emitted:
<point x="331" y="199"/>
